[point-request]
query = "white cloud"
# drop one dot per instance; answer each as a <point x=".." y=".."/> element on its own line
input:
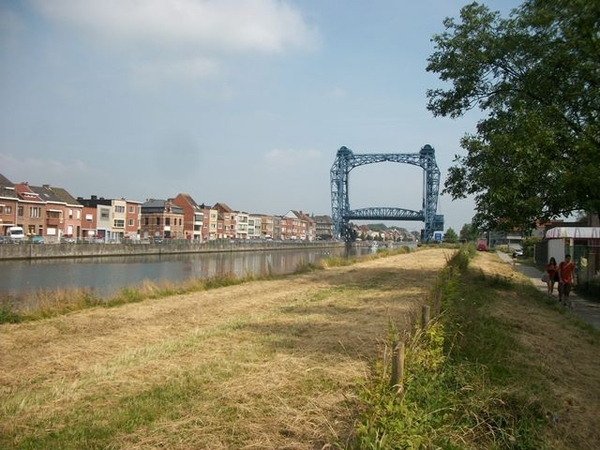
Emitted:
<point x="277" y="158"/>
<point x="150" y="73"/>
<point x="213" y="25"/>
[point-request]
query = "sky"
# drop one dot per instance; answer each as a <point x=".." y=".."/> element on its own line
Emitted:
<point x="244" y="102"/>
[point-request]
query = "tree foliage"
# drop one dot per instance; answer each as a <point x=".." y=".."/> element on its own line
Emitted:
<point x="536" y="76"/>
<point x="450" y="236"/>
<point x="468" y="232"/>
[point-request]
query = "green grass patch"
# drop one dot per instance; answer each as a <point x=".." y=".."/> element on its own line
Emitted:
<point x="87" y="427"/>
<point x="460" y="389"/>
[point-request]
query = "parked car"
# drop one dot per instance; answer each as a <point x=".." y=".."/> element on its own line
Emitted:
<point x="482" y="246"/>
<point x="97" y="239"/>
<point x="35" y="239"/>
<point x="517" y="252"/>
<point x="16" y="234"/>
<point x="3" y="240"/>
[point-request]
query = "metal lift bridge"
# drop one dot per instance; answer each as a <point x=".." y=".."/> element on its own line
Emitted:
<point x="345" y="161"/>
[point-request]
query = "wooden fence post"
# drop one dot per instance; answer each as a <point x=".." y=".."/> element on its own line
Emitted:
<point x="397" y="366"/>
<point x="425" y="316"/>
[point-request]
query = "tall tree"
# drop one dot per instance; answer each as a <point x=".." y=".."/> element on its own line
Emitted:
<point x="468" y="232"/>
<point x="536" y="77"/>
<point x="450" y="236"/>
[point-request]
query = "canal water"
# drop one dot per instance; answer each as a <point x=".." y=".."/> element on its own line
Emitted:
<point x="106" y="276"/>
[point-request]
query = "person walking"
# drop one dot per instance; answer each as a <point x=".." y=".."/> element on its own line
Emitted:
<point x="565" y="277"/>
<point x="551" y="275"/>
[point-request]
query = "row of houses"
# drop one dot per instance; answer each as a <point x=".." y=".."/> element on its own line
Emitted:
<point x="55" y="214"/>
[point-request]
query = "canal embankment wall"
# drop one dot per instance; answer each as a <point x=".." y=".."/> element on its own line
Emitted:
<point x="24" y="251"/>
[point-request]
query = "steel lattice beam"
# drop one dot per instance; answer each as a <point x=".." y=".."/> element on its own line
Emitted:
<point x="383" y="213"/>
<point x="346" y="160"/>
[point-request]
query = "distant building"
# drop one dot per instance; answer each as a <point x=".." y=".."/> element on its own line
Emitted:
<point x="133" y="219"/>
<point x="267" y="226"/>
<point x="240" y="219"/>
<point x="278" y="223"/>
<point x="52" y="212"/>
<point x="110" y="219"/>
<point x="31" y="211"/>
<point x="226" y="227"/>
<point x="73" y="212"/>
<point x="323" y="227"/>
<point x="297" y="225"/>
<point x="161" y="219"/>
<point x="40" y="210"/>
<point x="254" y="226"/>
<point x="63" y="213"/>
<point x="9" y="202"/>
<point x="97" y="212"/>
<point x="210" y="223"/>
<point x="193" y="216"/>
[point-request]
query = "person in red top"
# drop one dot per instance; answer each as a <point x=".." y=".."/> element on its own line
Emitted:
<point x="565" y="277"/>
<point x="552" y="271"/>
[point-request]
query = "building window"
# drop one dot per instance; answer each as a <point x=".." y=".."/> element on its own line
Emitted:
<point x="167" y="221"/>
<point x="130" y="222"/>
<point x="89" y="218"/>
<point x="35" y="211"/>
<point x="146" y="221"/>
<point x="131" y="209"/>
<point x="119" y="223"/>
<point x="119" y="209"/>
<point x="158" y="221"/>
<point x="20" y="211"/>
<point x="70" y="214"/>
<point x="104" y="214"/>
<point x="8" y="209"/>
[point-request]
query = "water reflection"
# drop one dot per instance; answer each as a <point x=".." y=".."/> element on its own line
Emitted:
<point x="105" y="276"/>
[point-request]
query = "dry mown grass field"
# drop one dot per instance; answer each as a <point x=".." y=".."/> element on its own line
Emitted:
<point x="265" y="364"/>
<point x="268" y="364"/>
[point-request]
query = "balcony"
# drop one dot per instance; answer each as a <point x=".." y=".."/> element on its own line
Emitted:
<point x="53" y="221"/>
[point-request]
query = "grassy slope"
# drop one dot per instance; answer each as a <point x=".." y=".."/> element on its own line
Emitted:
<point x="501" y="367"/>
<point x="263" y="364"/>
<point x="555" y="357"/>
<point x="280" y="363"/>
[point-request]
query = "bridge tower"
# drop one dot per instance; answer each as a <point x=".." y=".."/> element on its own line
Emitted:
<point x="346" y="160"/>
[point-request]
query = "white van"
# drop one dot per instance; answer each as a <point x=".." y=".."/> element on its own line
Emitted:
<point x="16" y="234"/>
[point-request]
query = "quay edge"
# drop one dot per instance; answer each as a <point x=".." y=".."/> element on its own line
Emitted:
<point x="25" y="251"/>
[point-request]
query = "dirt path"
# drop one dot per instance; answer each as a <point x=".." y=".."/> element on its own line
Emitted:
<point x="271" y="362"/>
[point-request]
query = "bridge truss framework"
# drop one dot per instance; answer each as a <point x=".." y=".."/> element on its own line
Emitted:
<point x="346" y="160"/>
